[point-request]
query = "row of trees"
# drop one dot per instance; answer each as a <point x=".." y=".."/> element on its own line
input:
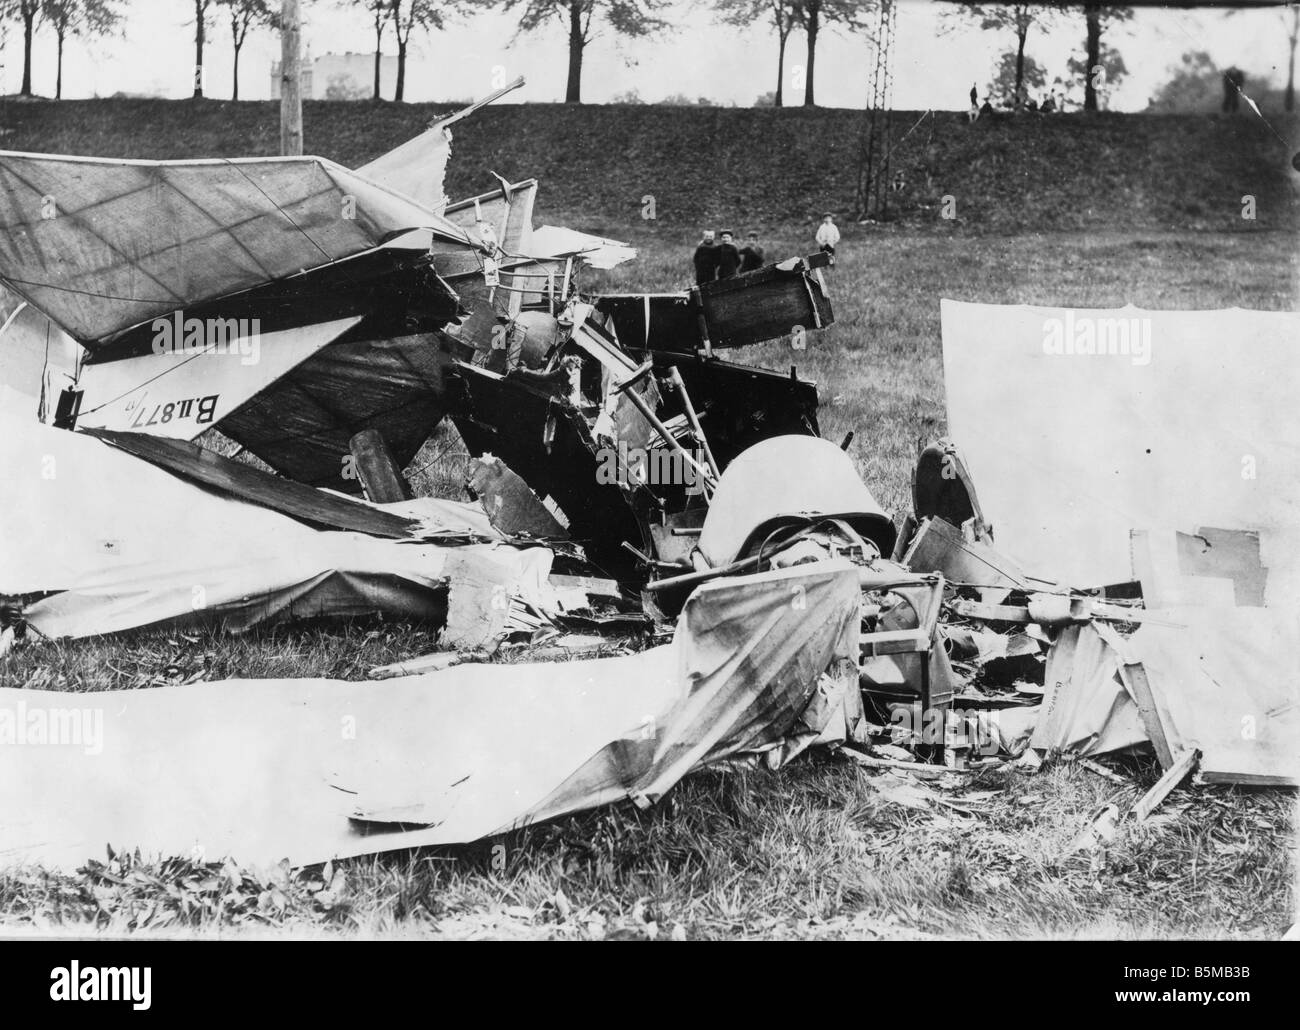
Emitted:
<point x="583" y="19"/>
<point x="1017" y="74"/>
<point x="67" y="18"/>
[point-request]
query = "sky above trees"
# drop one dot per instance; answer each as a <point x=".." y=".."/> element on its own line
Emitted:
<point x="700" y="58"/>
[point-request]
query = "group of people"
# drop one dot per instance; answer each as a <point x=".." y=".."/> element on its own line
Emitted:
<point x="1049" y="105"/>
<point x="720" y="258"/>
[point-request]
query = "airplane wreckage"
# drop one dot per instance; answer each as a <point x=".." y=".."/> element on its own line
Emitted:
<point x="626" y="482"/>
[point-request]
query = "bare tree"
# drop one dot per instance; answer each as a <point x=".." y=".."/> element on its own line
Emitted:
<point x="244" y="15"/>
<point x="1001" y="17"/>
<point x="626" y="17"/>
<point x="30" y="13"/>
<point x="407" y="16"/>
<point x="78" y="18"/>
<point x="1098" y="17"/>
<point x="1292" y="35"/>
<point x="201" y="8"/>
<point x="381" y="13"/>
<point x="780" y="14"/>
<point x="815" y="15"/>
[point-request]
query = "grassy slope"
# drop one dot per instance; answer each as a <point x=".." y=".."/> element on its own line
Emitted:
<point x="759" y="168"/>
<point x="817" y="849"/>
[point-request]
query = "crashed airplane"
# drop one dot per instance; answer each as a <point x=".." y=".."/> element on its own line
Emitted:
<point x="328" y="321"/>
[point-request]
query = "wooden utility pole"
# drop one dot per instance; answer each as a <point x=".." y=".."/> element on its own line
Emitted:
<point x="290" y="78"/>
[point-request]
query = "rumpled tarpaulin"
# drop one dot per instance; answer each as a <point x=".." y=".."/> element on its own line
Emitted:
<point x="308" y="770"/>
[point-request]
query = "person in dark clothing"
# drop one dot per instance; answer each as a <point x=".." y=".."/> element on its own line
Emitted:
<point x="728" y="256"/>
<point x="1233" y="81"/>
<point x="751" y="254"/>
<point x="706" y="259"/>
<point x="974" y="97"/>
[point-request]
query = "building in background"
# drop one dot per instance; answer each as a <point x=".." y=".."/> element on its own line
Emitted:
<point x="341" y="77"/>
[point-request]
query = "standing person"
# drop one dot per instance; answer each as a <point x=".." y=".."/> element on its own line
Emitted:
<point x="1233" y="81"/>
<point x="728" y="256"/>
<point x="706" y="259"/>
<point x="751" y="254"/>
<point x="828" y="236"/>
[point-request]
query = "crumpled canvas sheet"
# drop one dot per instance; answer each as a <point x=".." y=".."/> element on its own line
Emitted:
<point x="130" y="545"/>
<point x="1086" y="709"/>
<point x="1222" y="683"/>
<point x="1225" y="683"/>
<point x="1070" y="452"/>
<point x="308" y="770"/>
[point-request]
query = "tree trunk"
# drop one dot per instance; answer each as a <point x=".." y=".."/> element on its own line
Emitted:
<point x="58" y="75"/>
<point x="400" y="92"/>
<point x="573" y="89"/>
<point x="379" y="40"/>
<point x="290" y="78"/>
<point x="1020" y="67"/>
<point x="198" y="48"/>
<point x="779" y="100"/>
<point x="1092" y="12"/>
<point x="234" y="93"/>
<point x="814" y="24"/>
<point x="28" y="27"/>
<point x="1290" y="69"/>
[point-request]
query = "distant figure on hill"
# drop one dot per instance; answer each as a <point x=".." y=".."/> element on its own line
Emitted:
<point x="1049" y="104"/>
<point x="728" y="256"/>
<point x="1233" y="81"/>
<point x="986" y="109"/>
<point x="751" y="254"/>
<point x="828" y="236"/>
<point x="706" y="259"/>
<point x="974" y="97"/>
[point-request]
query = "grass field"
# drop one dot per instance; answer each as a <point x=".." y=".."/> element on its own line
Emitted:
<point x="822" y="848"/>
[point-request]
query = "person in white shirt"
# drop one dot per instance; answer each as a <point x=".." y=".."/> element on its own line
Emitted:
<point x="828" y="236"/>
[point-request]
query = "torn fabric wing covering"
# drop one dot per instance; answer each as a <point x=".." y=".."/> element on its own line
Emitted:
<point x="1213" y="680"/>
<point x="132" y="240"/>
<point x="1224" y="683"/>
<point x="258" y="769"/>
<point x="416" y="168"/>
<point x="166" y="549"/>
<point x="551" y="241"/>
<point x="37" y="358"/>
<point x="1081" y="425"/>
